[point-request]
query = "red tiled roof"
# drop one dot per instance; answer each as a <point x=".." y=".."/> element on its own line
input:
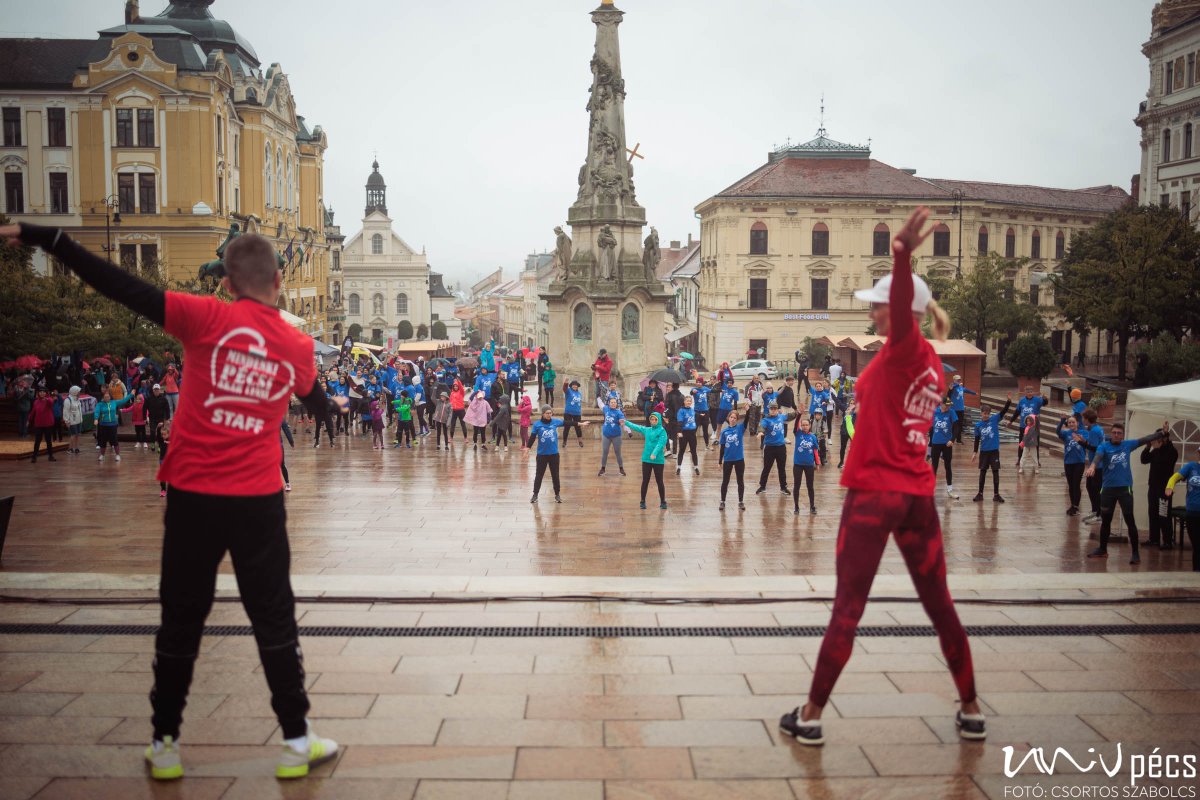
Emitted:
<point x="1097" y="199"/>
<point x="672" y="258"/>
<point x="832" y="177"/>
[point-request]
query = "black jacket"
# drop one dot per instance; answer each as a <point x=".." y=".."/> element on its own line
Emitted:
<point x="674" y="401"/>
<point x="786" y="398"/>
<point x="1162" y="465"/>
<point x="157" y="409"/>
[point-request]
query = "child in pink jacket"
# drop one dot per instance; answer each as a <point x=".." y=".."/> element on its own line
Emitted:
<point x="478" y="414"/>
<point x="526" y="409"/>
<point x="138" y="415"/>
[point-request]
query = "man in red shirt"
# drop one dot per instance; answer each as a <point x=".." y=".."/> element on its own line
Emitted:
<point x="242" y="363"/>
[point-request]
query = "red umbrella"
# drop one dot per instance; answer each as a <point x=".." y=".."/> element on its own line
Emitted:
<point x="28" y="362"/>
<point x="103" y="361"/>
<point x="8" y="365"/>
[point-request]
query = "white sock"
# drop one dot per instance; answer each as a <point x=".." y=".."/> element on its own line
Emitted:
<point x="300" y="744"/>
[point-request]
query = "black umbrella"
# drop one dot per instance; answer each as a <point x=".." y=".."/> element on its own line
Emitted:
<point x="666" y="376"/>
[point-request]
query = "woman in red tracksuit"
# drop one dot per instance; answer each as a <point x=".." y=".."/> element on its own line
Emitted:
<point x="891" y="489"/>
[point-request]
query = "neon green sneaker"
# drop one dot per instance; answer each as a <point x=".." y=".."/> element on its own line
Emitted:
<point x="295" y="764"/>
<point x="164" y="761"/>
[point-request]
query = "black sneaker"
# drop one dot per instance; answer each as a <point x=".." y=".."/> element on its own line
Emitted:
<point x="663" y="506"/>
<point x="622" y="469"/>
<point x="741" y="506"/>
<point x="677" y="470"/>
<point x="786" y="490"/>
<point x="760" y="490"/>
<point x="601" y="472"/>
<point x="1098" y="553"/>
<point x="808" y="733"/>
<point x="1072" y="511"/>
<point x="813" y="510"/>
<point x="722" y="507"/>
<point x="997" y="499"/>
<point x="978" y="498"/>
<point x="558" y="498"/>
<point x="643" y="505"/>
<point x="971" y="726"/>
<point x="1135" y="560"/>
<point x="533" y="499"/>
<point x="696" y="470"/>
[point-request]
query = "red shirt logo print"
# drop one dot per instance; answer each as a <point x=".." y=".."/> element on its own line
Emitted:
<point x="242" y="368"/>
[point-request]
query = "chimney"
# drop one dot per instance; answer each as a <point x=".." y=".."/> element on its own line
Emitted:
<point x="909" y="170"/>
<point x="131" y="12"/>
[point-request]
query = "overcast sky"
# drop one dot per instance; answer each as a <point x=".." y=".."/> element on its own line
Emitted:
<point x="476" y="108"/>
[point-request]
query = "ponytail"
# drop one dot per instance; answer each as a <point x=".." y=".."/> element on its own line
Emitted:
<point x="940" y="321"/>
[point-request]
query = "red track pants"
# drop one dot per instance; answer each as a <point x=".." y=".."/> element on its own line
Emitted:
<point x="867" y="519"/>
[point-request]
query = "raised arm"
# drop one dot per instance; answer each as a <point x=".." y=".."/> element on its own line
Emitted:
<point x="111" y="281"/>
<point x="900" y="298"/>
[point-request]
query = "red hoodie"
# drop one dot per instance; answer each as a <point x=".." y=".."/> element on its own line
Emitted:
<point x="896" y="394"/>
<point x="42" y="413"/>
<point x="456" y="396"/>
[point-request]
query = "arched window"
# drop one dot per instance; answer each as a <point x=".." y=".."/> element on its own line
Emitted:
<point x="941" y="240"/>
<point x="983" y="240"/>
<point x="881" y="240"/>
<point x="1010" y="244"/>
<point x="1166" y="148"/>
<point x="402" y="303"/>
<point x="820" y="239"/>
<point x="377" y="305"/>
<point x="291" y="192"/>
<point x="355" y="305"/>
<point x="279" y="198"/>
<point x="1060" y="245"/>
<point x="1035" y="244"/>
<point x="268" y="181"/>
<point x="758" y="239"/>
<point x="581" y="323"/>
<point x="631" y="323"/>
<point x="377" y="245"/>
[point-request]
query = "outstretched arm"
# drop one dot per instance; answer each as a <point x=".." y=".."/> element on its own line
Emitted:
<point x="112" y="282"/>
<point x="900" y="299"/>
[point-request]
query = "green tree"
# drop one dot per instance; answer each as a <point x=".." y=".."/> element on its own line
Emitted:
<point x="1170" y="361"/>
<point x="475" y="339"/>
<point x="422" y="331"/>
<point x="439" y="329"/>
<point x="982" y="304"/>
<point x="404" y="331"/>
<point x="355" y="332"/>
<point x="1030" y="356"/>
<point x="1136" y="273"/>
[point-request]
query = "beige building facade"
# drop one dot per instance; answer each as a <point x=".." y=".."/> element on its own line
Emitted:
<point x="1169" y="117"/>
<point x="784" y="249"/>
<point x="170" y="123"/>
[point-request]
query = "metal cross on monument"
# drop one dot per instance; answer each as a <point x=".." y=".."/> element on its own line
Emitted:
<point x="634" y="153"/>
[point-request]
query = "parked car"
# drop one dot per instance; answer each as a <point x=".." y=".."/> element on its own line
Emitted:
<point x="752" y="367"/>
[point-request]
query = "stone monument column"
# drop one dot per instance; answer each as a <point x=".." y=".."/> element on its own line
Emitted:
<point x="608" y="297"/>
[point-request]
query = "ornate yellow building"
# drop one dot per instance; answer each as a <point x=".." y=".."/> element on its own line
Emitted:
<point x="170" y="125"/>
<point x="783" y="249"/>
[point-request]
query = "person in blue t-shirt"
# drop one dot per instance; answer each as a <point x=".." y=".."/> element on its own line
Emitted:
<point x="958" y="403"/>
<point x="806" y="460"/>
<point x="699" y="394"/>
<point x="484" y="381"/>
<point x="820" y="400"/>
<point x="729" y="401"/>
<point x="545" y="434"/>
<point x="685" y="419"/>
<point x="941" y="443"/>
<point x="987" y="447"/>
<point x="572" y="412"/>
<point x="610" y="434"/>
<point x="1190" y="472"/>
<point x="731" y="456"/>
<point x="1094" y="435"/>
<point x="1026" y="406"/>
<point x="773" y="432"/>
<point x="1113" y="457"/>
<point x="1074" y="459"/>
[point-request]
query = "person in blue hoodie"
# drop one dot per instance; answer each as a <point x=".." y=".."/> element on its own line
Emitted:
<point x="572" y="412"/>
<point x="699" y="394"/>
<point x="729" y="401"/>
<point x="941" y="442"/>
<point x="987" y="447"/>
<point x="731" y="456"/>
<point x="1113" y="457"/>
<point x="484" y="381"/>
<point x="545" y="434"/>
<point x="958" y="404"/>
<point x="487" y="356"/>
<point x="514" y="377"/>
<point x="653" y="455"/>
<point x="1074" y="459"/>
<point x="610" y="434"/>
<point x="685" y="419"/>
<point x="806" y="460"/>
<point x="773" y="432"/>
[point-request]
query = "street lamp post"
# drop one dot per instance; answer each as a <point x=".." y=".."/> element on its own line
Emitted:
<point x="958" y="210"/>
<point x="112" y="216"/>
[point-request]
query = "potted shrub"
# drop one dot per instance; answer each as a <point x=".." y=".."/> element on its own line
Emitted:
<point x="1030" y="359"/>
<point x="1104" y="402"/>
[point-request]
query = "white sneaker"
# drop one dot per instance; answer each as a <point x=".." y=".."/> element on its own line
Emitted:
<point x="118" y="456"/>
<point x="163" y="760"/>
<point x="951" y="493"/>
<point x="101" y="457"/>
<point x="287" y="487"/>
<point x="295" y="763"/>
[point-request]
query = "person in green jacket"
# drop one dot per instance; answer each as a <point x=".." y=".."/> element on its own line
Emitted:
<point x="404" y="425"/>
<point x="653" y="453"/>
<point x="548" y="378"/>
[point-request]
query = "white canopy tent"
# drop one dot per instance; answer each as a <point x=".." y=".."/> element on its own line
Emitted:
<point x="1145" y="412"/>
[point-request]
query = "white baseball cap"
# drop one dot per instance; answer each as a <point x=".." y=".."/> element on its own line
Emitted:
<point x="879" y="293"/>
